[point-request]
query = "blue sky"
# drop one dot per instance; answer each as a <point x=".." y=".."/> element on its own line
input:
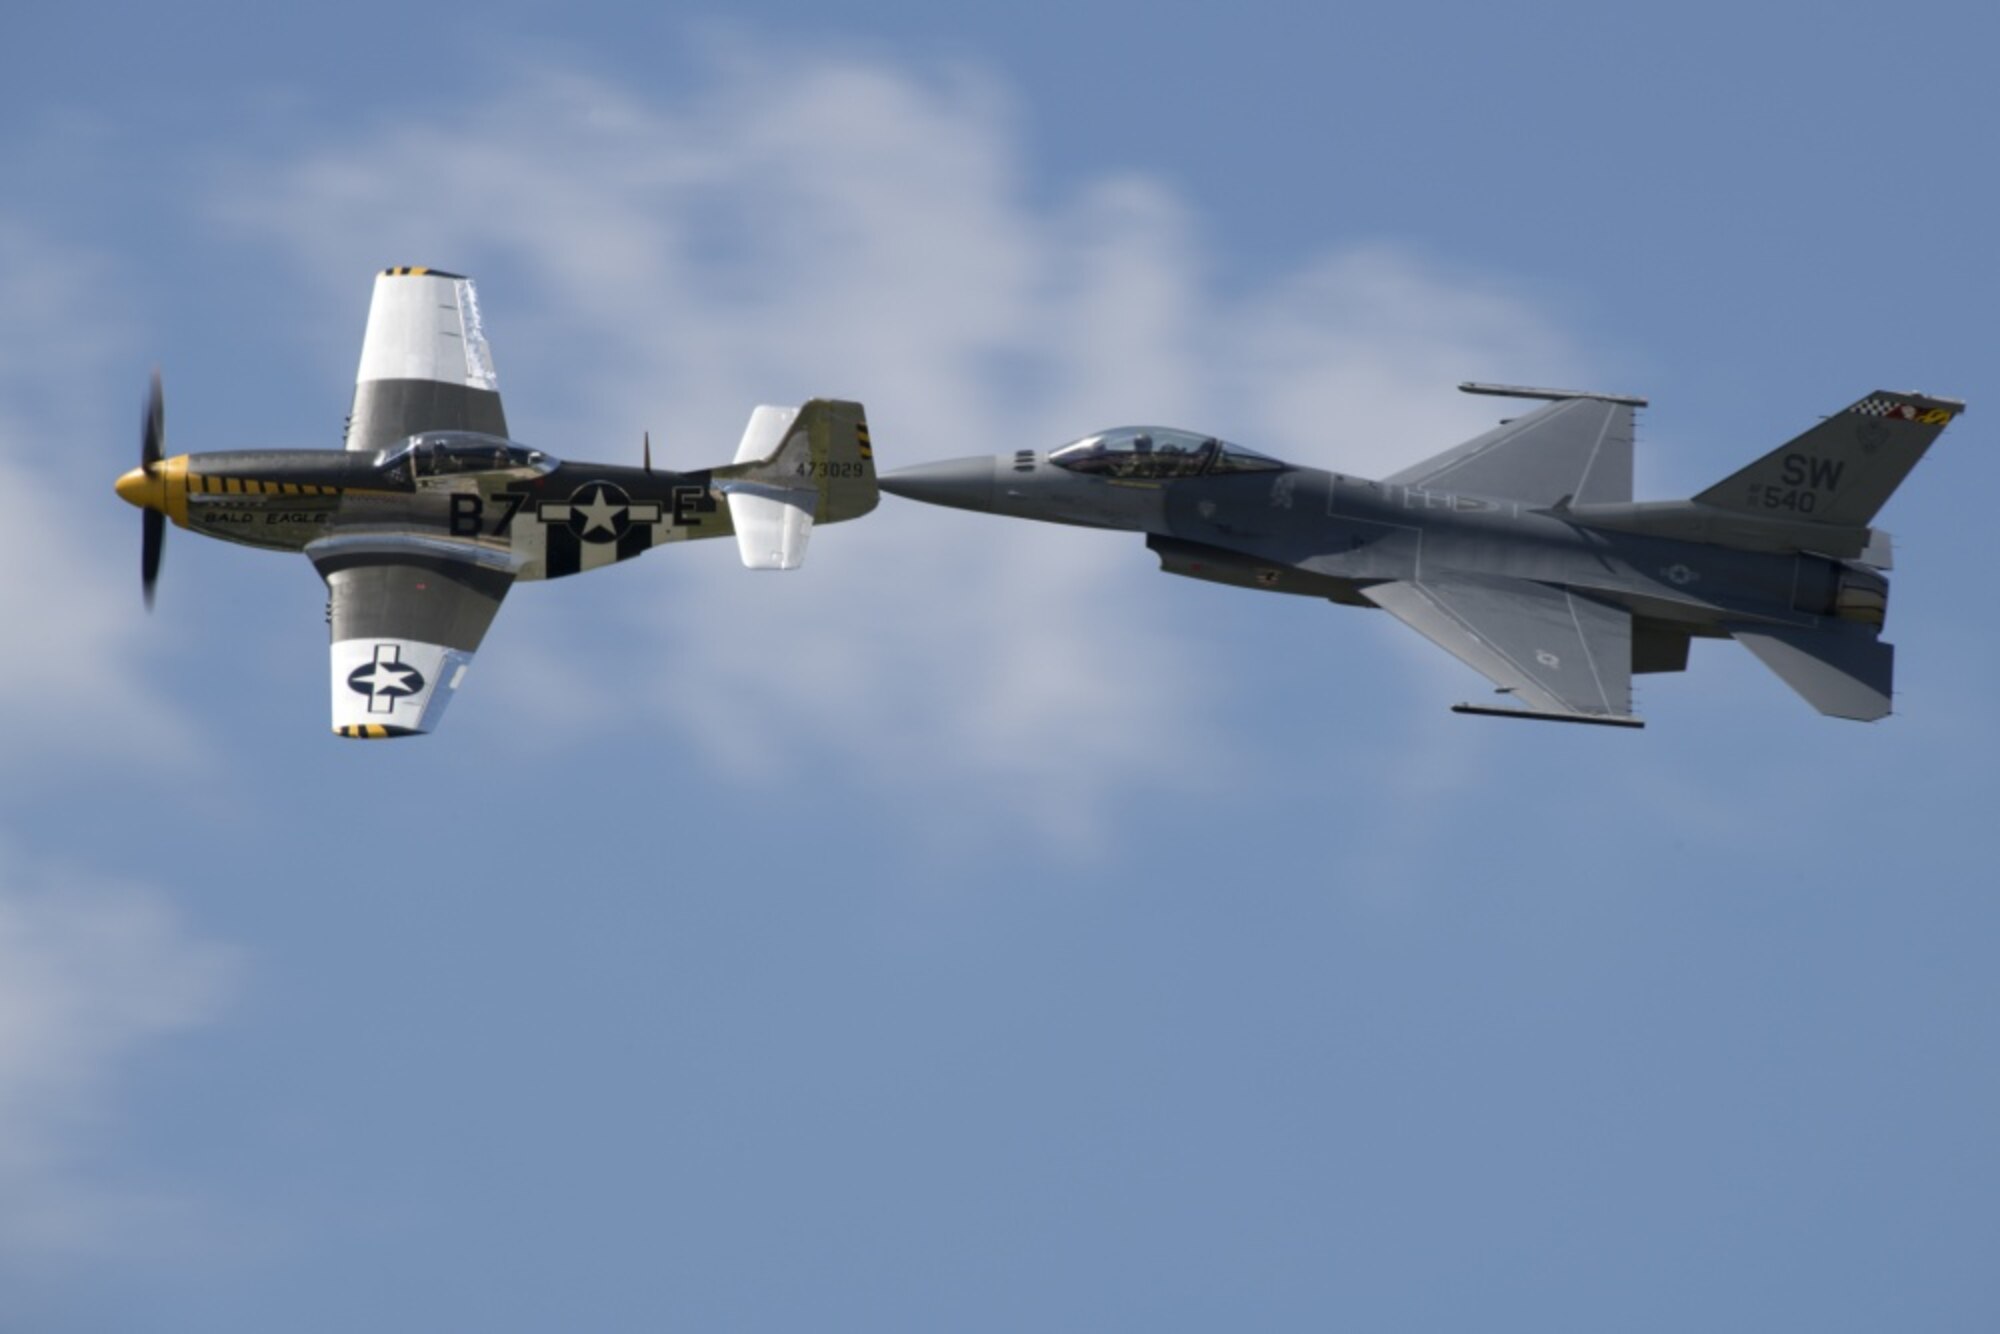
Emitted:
<point x="976" y="929"/>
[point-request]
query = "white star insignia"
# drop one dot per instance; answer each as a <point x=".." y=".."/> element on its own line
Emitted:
<point x="599" y="513"/>
<point x="385" y="677"/>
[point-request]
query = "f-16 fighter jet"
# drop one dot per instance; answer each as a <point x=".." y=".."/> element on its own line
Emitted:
<point x="1522" y="551"/>
<point x="431" y="513"/>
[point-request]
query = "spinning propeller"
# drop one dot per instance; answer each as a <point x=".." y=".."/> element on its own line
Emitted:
<point x="146" y="488"/>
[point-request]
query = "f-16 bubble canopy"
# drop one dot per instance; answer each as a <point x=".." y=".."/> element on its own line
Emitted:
<point x="1158" y="453"/>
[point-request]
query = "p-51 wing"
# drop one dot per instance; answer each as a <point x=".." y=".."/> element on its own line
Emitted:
<point x="425" y="364"/>
<point x="407" y="613"/>
<point x="1563" y="656"/>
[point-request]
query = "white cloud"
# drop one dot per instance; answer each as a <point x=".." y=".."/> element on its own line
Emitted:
<point x="850" y="229"/>
<point x="90" y="974"/>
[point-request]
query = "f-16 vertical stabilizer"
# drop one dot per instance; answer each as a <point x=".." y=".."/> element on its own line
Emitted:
<point x="1817" y="492"/>
<point x="1841" y="471"/>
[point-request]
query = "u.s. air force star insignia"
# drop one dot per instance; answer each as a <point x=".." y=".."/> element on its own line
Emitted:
<point x="599" y="512"/>
<point x="386" y="679"/>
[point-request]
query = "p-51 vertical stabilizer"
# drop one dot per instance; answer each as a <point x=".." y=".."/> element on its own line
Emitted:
<point x="795" y="467"/>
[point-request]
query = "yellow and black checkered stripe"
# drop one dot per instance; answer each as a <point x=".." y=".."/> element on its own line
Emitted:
<point x="372" y="731"/>
<point x="203" y="485"/>
<point x="418" y="271"/>
<point x="861" y="438"/>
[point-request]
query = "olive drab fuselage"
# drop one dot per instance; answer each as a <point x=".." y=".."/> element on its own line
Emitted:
<point x="548" y="518"/>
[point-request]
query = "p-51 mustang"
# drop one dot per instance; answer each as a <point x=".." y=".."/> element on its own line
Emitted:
<point x="1522" y="551"/>
<point x="427" y="517"/>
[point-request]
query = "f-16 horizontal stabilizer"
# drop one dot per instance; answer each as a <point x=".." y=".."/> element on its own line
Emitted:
<point x="795" y="467"/>
<point x="1843" y="672"/>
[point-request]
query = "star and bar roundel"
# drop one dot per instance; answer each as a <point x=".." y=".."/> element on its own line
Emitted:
<point x="385" y="679"/>
<point x="599" y="524"/>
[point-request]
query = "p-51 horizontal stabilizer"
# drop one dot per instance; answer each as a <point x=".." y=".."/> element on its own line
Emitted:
<point x="772" y="525"/>
<point x="773" y="520"/>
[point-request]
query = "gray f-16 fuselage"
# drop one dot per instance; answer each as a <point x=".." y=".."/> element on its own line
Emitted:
<point x="1522" y="551"/>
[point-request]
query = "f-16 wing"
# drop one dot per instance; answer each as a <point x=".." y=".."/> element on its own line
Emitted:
<point x="1563" y="656"/>
<point x="425" y="365"/>
<point x="407" y="614"/>
<point x="1576" y="450"/>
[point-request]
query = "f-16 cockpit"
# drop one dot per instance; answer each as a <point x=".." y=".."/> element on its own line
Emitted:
<point x="1158" y="453"/>
<point x="435" y="455"/>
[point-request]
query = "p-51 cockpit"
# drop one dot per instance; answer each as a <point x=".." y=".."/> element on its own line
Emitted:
<point x="438" y="455"/>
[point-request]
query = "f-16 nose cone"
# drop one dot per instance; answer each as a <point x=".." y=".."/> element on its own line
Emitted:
<point x="966" y="484"/>
<point x="142" y="487"/>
